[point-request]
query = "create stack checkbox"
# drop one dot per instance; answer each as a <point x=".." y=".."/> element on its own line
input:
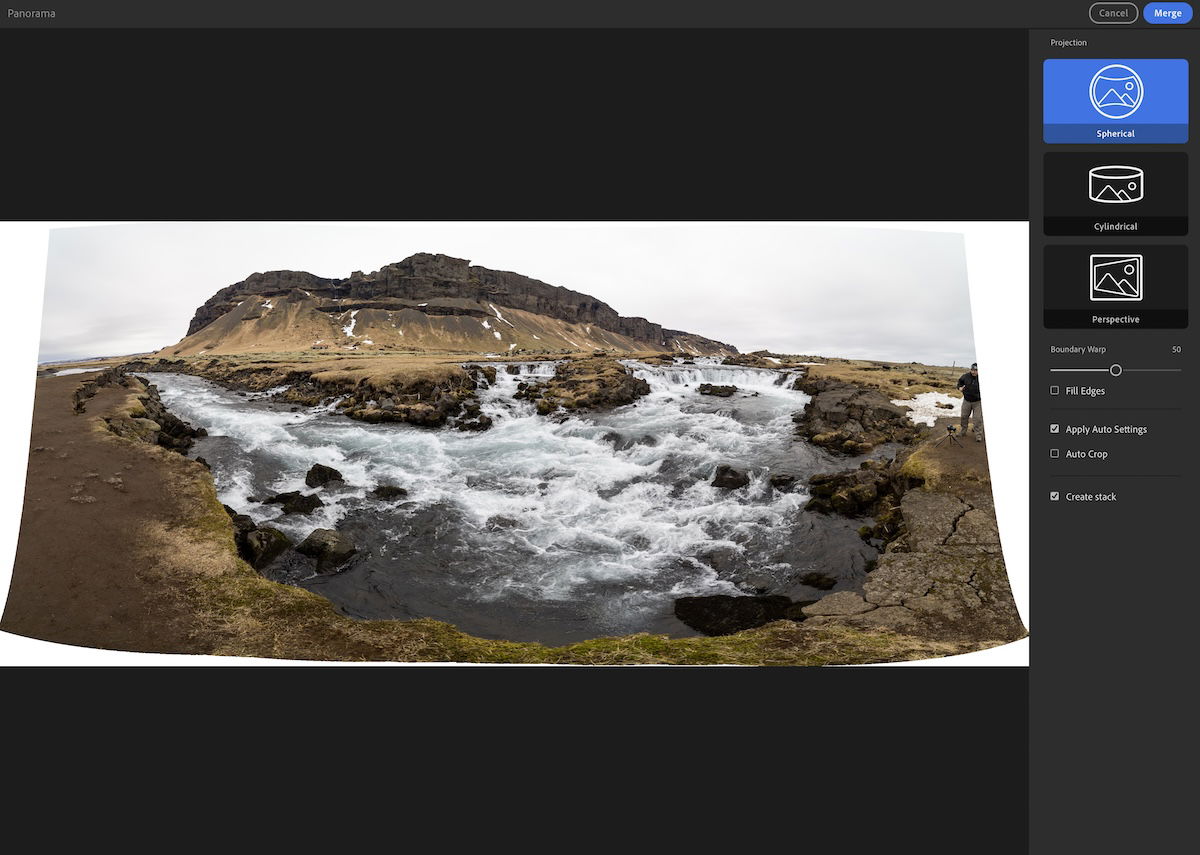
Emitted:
<point x="1054" y="495"/>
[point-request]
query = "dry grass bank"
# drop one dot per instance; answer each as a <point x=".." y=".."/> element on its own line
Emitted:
<point x="897" y="380"/>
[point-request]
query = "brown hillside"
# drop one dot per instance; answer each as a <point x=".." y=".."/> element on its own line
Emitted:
<point x="424" y="303"/>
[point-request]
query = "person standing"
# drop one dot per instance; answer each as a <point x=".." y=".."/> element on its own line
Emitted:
<point x="968" y="384"/>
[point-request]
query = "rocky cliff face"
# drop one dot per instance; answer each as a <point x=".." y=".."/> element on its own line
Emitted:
<point x="276" y="282"/>
<point x="428" y="276"/>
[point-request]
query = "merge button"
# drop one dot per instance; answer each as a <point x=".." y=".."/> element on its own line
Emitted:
<point x="1113" y="13"/>
<point x="1168" y="13"/>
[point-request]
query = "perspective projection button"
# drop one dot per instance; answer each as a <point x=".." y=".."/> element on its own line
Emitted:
<point x="1113" y="13"/>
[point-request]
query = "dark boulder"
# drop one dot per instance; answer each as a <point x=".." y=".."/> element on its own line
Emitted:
<point x="512" y="369"/>
<point x="264" y="545"/>
<point x="330" y="548"/>
<point x="387" y="492"/>
<point x="242" y="526"/>
<point x="717" y="391"/>
<point x="721" y="614"/>
<point x="296" y="502"/>
<point x="820" y="581"/>
<point x="290" y="568"/>
<point x="617" y="441"/>
<point x="321" y="475"/>
<point x="783" y="483"/>
<point x="480" y="422"/>
<point x="728" y="478"/>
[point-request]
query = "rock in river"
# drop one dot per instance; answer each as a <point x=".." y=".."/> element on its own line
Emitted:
<point x="296" y="502"/>
<point x="818" y="580"/>
<point x="728" y="478"/>
<point x="330" y="548"/>
<point x="717" y="391"/>
<point x="264" y="545"/>
<point x="320" y="475"/>
<point x="783" y="482"/>
<point x="721" y="614"/>
<point x="387" y="492"/>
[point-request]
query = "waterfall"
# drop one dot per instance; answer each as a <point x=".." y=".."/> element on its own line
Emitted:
<point x="664" y="378"/>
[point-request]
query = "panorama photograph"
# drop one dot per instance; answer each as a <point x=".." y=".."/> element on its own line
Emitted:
<point x="574" y="444"/>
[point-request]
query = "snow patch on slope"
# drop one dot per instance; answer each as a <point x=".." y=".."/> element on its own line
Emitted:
<point x="924" y="409"/>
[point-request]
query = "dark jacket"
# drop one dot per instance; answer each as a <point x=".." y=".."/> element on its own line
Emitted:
<point x="969" y="386"/>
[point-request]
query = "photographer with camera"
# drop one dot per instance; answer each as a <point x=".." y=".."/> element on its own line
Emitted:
<point x="968" y="384"/>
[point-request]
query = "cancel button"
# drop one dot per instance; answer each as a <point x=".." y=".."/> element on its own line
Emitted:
<point x="1113" y="13"/>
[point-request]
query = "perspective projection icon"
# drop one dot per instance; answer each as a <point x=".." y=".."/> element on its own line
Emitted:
<point x="1116" y="91"/>
<point x="1116" y="278"/>
<point x="1116" y="185"/>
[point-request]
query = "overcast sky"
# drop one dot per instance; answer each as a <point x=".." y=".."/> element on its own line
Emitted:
<point x="894" y="295"/>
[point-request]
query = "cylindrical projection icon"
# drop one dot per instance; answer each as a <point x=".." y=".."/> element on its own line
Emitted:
<point x="1116" y="185"/>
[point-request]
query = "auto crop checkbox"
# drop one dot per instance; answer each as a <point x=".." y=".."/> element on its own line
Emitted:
<point x="1054" y="495"/>
<point x="1053" y="428"/>
<point x="1054" y="452"/>
<point x="1053" y="390"/>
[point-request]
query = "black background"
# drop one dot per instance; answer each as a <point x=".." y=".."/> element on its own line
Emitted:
<point x="543" y="124"/>
<point x="595" y="125"/>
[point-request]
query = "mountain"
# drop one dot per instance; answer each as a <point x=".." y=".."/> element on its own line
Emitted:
<point x="1109" y="194"/>
<point x="425" y="302"/>
<point x="1110" y="285"/>
<point x="1112" y="98"/>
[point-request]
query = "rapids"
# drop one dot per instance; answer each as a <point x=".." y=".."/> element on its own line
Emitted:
<point x="552" y="529"/>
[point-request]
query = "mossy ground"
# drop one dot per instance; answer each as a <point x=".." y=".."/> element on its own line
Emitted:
<point x="947" y="467"/>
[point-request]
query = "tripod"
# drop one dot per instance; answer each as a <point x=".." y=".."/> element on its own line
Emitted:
<point x="950" y="435"/>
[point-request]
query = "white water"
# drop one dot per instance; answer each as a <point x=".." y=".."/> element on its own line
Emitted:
<point x="64" y="372"/>
<point x="666" y="378"/>
<point x="537" y="509"/>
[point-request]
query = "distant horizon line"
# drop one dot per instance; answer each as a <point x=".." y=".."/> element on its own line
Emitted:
<point x="59" y="359"/>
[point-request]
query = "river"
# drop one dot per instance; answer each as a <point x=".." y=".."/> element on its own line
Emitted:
<point x="546" y="529"/>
